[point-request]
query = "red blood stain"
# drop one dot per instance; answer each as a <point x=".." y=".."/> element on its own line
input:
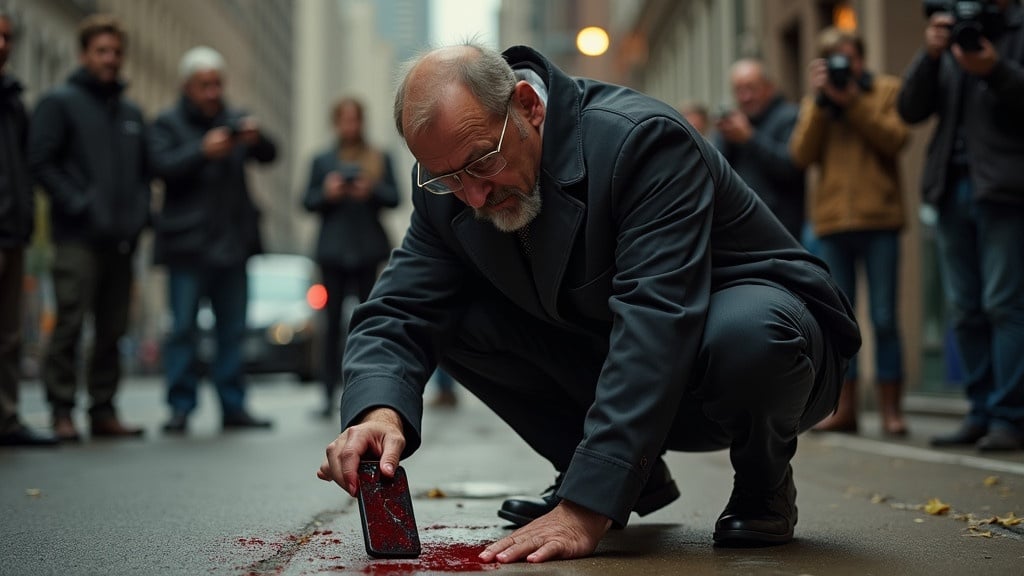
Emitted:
<point x="449" y="557"/>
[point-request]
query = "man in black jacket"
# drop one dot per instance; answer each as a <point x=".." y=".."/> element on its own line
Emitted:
<point x="584" y="262"/>
<point x="755" y="140"/>
<point x="207" y="230"/>
<point x="86" y="148"/>
<point x="973" y="176"/>
<point x="17" y="210"/>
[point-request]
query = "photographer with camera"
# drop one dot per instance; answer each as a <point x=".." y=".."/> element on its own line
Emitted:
<point x="973" y="176"/>
<point x="850" y="128"/>
<point x="754" y="138"/>
<point x="207" y="230"/>
<point x="349" y="184"/>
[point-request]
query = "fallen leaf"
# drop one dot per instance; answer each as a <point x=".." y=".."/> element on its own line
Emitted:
<point x="919" y="520"/>
<point x="436" y="493"/>
<point x="991" y="481"/>
<point x="878" y="499"/>
<point x="936" y="507"/>
<point x="1007" y="521"/>
<point x="980" y="534"/>
<point x="33" y="492"/>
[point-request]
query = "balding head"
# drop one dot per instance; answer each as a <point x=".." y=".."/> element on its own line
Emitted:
<point x="751" y="86"/>
<point x="432" y="77"/>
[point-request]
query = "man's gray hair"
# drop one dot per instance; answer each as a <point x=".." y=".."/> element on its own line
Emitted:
<point x="200" y="59"/>
<point x="485" y="74"/>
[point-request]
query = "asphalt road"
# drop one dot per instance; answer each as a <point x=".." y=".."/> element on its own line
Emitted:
<point x="249" y="503"/>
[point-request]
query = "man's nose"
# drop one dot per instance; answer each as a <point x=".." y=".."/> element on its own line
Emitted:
<point x="475" y="191"/>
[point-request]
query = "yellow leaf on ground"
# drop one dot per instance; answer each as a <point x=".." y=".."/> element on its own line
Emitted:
<point x="436" y="493"/>
<point x="991" y="481"/>
<point x="980" y="533"/>
<point x="936" y="507"/>
<point x="1009" y="520"/>
<point x="878" y="499"/>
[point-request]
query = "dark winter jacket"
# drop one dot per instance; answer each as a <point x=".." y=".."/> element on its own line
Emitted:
<point x="993" y="117"/>
<point x="765" y="165"/>
<point x="208" y="218"/>
<point x="17" y="205"/>
<point x="351" y="235"/>
<point x="87" y="150"/>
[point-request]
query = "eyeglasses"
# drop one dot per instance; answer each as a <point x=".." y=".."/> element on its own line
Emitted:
<point x="485" y="166"/>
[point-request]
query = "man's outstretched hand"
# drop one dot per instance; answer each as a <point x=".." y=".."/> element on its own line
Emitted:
<point x="568" y="531"/>
<point x="379" y="434"/>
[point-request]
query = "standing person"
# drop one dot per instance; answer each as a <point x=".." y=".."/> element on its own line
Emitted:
<point x="583" y="261"/>
<point x="207" y="230"/>
<point x="17" y="211"/>
<point x="850" y="128"/>
<point x="348" y="185"/>
<point x="973" y="176"/>
<point x="755" y="141"/>
<point x="87" y="150"/>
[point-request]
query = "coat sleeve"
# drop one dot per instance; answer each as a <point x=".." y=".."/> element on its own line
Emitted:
<point x="881" y="127"/>
<point x="809" y="134"/>
<point x="662" y="202"/>
<point x="393" y="345"/>
<point x="169" y="157"/>
<point x="919" y="94"/>
<point x="313" y="200"/>
<point x="48" y="136"/>
<point x="1007" y="83"/>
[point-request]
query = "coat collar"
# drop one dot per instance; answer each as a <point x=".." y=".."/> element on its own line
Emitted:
<point x="534" y="284"/>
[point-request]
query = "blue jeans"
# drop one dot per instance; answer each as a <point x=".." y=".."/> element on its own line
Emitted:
<point x="879" y="250"/>
<point x="980" y="244"/>
<point x="228" y="293"/>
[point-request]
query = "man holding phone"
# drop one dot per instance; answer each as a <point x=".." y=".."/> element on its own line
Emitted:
<point x="584" y="262"/>
<point x="206" y="231"/>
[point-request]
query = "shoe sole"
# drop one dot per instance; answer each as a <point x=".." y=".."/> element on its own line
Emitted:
<point x="750" y="539"/>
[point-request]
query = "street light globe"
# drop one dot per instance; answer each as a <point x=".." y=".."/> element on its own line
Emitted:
<point x="592" y="41"/>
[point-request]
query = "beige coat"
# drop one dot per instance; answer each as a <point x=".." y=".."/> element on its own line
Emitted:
<point x="858" y="153"/>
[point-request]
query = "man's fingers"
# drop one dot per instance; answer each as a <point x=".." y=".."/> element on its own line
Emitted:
<point x="324" y="472"/>
<point x="391" y="454"/>
<point x="548" y="551"/>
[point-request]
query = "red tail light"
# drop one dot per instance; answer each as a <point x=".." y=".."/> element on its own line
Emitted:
<point x="316" y="296"/>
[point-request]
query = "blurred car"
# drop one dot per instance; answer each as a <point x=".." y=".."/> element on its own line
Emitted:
<point x="282" y="334"/>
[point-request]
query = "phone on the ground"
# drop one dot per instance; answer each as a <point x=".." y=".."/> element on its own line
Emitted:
<point x="385" y="508"/>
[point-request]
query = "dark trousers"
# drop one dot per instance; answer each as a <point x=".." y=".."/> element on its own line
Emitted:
<point x="12" y="264"/>
<point x="228" y="292"/>
<point x="340" y="283"/>
<point x="764" y="373"/>
<point x="88" y="281"/>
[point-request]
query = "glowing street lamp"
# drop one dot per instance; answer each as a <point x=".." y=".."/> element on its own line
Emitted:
<point x="592" y="41"/>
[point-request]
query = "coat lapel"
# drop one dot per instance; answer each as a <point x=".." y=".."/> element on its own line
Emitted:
<point x="496" y="255"/>
<point x="553" y="234"/>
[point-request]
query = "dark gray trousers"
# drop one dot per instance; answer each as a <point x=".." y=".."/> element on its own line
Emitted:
<point x="87" y="281"/>
<point x="764" y="373"/>
<point x="11" y="272"/>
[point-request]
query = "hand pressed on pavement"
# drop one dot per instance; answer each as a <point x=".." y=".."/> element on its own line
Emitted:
<point x="379" y="434"/>
<point x="568" y="531"/>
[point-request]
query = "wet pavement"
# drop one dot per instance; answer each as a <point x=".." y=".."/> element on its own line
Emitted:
<point x="249" y="503"/>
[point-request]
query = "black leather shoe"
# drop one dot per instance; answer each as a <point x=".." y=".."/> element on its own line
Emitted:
<point x="1000" y="440"/>
<point x="755" y="518"/>
<point x="967" y="435"/>
<point x="660" y="491"/>
<point x="177" y="424"/>
<point x="244" y="420"/>
<point x="23" y="436"/>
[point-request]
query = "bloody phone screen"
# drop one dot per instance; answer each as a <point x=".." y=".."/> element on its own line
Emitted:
<point x="385" y="507"/>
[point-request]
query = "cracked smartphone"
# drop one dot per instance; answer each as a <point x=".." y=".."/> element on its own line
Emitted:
<point x="385" y="508"/>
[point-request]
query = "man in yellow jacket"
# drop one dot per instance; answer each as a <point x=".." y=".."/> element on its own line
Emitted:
<point x="849" y="126"/>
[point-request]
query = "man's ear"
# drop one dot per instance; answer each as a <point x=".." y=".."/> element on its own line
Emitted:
<point x="526" y="98"/>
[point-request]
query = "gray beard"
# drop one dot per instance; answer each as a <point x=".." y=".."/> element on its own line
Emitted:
<point x="513" y="219"/>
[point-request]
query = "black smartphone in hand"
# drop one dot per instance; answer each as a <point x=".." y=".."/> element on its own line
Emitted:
<point x="385" y="508"/>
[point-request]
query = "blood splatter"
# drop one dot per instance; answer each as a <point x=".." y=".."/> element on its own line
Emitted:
<point x="442" y="557"/>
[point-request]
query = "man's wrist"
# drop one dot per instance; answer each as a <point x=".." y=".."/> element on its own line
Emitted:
<point x="383" y="414"/>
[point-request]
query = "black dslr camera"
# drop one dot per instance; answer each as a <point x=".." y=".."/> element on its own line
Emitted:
<point x="839" y="73"/>
<point x="972" y="20"/>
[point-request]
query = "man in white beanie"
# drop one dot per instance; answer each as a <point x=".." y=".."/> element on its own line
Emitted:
<point x="206" y="232"/>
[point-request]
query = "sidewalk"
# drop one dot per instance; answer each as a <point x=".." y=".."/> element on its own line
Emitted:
<point x="248" y="504"/>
